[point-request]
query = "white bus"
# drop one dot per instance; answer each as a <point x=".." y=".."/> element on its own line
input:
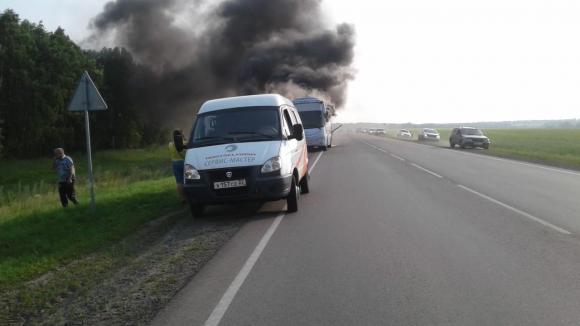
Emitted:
<point x="315" y="116"/>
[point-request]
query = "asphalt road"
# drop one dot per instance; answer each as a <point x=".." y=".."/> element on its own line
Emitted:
<point x="396" y="233"/>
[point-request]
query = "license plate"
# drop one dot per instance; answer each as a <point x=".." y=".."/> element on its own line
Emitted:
<point x="229" y="184"/>
<point x="477" y="144"/>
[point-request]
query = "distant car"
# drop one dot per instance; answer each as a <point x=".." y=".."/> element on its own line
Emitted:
<point x="380" y="132"/>
<point x="468" y="137"/>
<point x="429" y="134"/>
<point x="372" y="131"/>
<point x="404" y="134"/>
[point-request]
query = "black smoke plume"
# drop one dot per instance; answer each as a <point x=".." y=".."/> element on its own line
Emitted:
<point x="191" y="51"/>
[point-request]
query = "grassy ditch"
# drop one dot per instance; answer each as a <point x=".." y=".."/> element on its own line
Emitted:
<point x="558" y="147"/>
<point x="48" y="253"/>
<point x="37" y="235"/>
<point x="116" y="266"/>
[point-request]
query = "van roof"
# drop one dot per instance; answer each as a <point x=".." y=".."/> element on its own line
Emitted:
<point x="244" y="101"/>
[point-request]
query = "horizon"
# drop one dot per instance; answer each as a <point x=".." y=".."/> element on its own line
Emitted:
<point x="518" y="123"/>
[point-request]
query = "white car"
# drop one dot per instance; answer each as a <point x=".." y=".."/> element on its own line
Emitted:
<point x="404" y="134"/>
<point x="380" y="132"/>
<point x="247" y="148"/>
<point x="429" y="134"/>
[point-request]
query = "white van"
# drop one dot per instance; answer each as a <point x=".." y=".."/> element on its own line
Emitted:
<point x="316" y="118"/>
<point x="246" y="148"/>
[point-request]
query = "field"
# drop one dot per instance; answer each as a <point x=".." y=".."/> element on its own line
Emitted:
<point x="558" y="147"/>
<point x="37" y="235"/>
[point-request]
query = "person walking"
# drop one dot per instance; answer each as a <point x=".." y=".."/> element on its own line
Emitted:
<point x="177" y="149"/>
<point x="65" y="170"/>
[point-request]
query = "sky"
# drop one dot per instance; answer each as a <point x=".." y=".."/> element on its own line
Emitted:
<point x="427" y="61"/>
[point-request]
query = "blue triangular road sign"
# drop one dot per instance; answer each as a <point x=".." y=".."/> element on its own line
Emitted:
<point x="87" y="96"/>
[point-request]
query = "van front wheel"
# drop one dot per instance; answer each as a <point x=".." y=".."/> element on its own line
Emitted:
<point x="304" y="187"/>
<point x="292" y="199"/>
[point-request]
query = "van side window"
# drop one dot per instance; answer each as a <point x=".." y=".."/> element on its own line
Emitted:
<point x="286" y="123"/>
<point x="295" y="116"/>
<point x="288" y="118"/>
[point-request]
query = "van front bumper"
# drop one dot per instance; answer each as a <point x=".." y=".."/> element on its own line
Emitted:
<point x="258" y="188"/>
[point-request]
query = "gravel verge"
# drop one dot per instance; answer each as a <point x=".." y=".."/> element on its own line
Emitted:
<point x="128" y="283"/>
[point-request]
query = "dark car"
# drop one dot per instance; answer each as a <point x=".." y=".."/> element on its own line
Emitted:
<point x="468" y="137"/>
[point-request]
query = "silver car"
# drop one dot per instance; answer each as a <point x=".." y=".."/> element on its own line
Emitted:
<point x="429" y="134"/>
<point x="404" y="134"/>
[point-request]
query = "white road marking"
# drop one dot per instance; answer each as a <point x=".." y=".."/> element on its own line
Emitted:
<point x="386" y="152"/>
<point x="315" y="161"/>
<point x="375" y="147"/>
<point x="538" y="166"/>
<point x="428" y="171"/>
<point x="222" y="307"/>
<point x="404" y="160"/>
<point x="398" y="157"/>
<point x="530" y="216"/>
<point x="512" y="161"/>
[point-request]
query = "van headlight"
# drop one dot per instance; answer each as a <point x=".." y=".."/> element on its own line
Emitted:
<point x="190" y="172"/>
<point x="272" y="165"/>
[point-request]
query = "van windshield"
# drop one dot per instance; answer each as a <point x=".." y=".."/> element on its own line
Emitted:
<point x="312" y="119"/>
<point x="248" y="124"/>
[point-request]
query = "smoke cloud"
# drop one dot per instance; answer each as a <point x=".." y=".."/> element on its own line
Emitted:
<point x="191" y="51"/>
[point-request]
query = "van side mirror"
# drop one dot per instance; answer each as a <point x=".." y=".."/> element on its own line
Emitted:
<point x="297" y="132"/>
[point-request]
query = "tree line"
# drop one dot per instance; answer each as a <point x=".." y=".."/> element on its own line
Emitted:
<point x="38" y="74"/>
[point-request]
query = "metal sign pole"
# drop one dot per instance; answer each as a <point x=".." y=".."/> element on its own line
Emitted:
<point x="89" y="157"/>
<point x="87" y="98"/>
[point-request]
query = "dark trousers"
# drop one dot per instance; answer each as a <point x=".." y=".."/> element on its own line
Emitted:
<point x="66" y="190"/>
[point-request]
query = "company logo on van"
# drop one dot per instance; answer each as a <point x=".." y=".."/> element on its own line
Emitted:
<point x="231" y="148"/>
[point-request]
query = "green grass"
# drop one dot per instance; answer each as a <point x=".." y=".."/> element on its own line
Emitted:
<point x="554" y="146"/>
<point x="24" y="178"/>
<point x="37" y="235"/>
<point x="560" y="147"/>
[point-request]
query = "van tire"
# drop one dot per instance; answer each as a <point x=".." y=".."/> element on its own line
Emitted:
<point x="304" y="186"/>
<point x="324" y="148"/>
<point x="196" y="210"/>
<point x="292" y="199"/>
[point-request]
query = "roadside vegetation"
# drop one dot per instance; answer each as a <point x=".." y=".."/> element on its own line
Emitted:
<point x="553" y="146"/>
<point x="39" y="70"/>
<point x="38" y="236"/>
<point x="117" y="265"/>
